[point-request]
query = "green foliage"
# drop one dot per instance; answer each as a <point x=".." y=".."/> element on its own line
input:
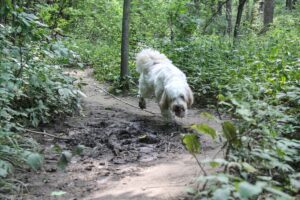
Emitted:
<point x="191" y="143"/>
<point x="254" y="79"/>
<point x="33" y="88"/>
<point x="58" y="193"/>
<point x="64" y="159"/>
<point x="204" y="128"/>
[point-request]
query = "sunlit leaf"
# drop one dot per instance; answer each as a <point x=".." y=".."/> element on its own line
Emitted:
<point x="204" y="128"/>
<point x="191" y="143"/>
<point x="230" y="133"/>
<point x="58" y="193"/>
<point x="248" y="167"/>
<point x="207" y="115"/>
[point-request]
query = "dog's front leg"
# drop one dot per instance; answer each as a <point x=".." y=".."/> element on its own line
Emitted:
<point x="142" y="102"/>
<point x="143" y="92"/>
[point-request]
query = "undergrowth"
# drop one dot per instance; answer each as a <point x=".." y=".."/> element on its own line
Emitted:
<point x="257" y="83"/>
<point x="33" y="90"/>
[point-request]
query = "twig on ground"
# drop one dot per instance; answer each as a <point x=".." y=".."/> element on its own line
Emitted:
<point x="105" y="91"/>
<point x="48" y="134"/>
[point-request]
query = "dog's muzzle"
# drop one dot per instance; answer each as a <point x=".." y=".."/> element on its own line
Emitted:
<point x="179" y="110"/>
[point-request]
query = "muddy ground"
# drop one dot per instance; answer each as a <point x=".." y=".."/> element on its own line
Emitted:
<point x="128" y="154"/>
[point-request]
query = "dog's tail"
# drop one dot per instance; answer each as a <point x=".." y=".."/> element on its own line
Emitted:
<point x="147" y="58"/>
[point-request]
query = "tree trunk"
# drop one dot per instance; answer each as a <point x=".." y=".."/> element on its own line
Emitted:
<point x="125" y="41"/>
<point x="229" y="16"/>
<point x="268" y="12"/>
<point x="220" y="6"/>
<point x="2" y="15"/>
<point x="197" y="7"/>
<point x="289" y="4"/>
<point x="239" y="17"/>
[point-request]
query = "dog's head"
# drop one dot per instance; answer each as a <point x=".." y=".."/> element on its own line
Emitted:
<point x="177" y="99"/>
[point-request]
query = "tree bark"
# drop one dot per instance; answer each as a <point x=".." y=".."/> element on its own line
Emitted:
<point x="229" y="16"/>
<point x="125" y="41"/>
<point x="197" y="7"/>
<point x="220" y="6"/>
<point x="289" y="4"/>
<point x="268" y="12"/>
<point x="239" y="17"/>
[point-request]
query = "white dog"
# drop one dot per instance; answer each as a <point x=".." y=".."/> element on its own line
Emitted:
<point x="160" y="77"/>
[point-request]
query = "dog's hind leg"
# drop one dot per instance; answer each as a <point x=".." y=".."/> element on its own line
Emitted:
<point x="144" y="92"/>
<point x="142" y="102"/>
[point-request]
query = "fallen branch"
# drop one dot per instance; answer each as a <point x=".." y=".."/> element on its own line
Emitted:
<point x="105" y="91"/>
<point x="48" y="134"/>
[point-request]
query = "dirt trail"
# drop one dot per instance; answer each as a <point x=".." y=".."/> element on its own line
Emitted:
<point x="129" y="154"/>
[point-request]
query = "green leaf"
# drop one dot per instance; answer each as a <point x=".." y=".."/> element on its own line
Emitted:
<point x="247" y="190"/>
<point x="230" y="133"/>
<point x="214" y="164"/>
<point x="204" y="128"/>
<point x="191" y="143"/>
<point x="249" y="168"/>
<point x="34" y="160"/>
<point x="64" y="159"/>
<point x="278" y="193"/>
<point x="207" y="115"/>
<point x="221" y="194"/>
<point x="58" y="193"/>
<point x="78" y="149"/>
<point x="5" y="168"/>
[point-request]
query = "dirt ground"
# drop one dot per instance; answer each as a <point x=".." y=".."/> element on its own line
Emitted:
<point x="129" y="154"/>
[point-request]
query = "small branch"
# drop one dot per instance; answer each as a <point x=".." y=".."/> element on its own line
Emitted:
<point x="200" y="165"/>
<point x="105" y="91"/>
<point x="221" y="149"/>
<point x="218" y="112"/>
<point x="211" y="19"/>
<point x="21" y="61"/>
<point x="48" y="134"/>
<point x="204" y="185"/>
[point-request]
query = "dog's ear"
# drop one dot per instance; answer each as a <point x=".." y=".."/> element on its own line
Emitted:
<point x="164" y="101"/>
<point x="190" y="97"/>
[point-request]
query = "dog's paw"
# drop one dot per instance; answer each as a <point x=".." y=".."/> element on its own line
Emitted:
<point x="142" y="103"/>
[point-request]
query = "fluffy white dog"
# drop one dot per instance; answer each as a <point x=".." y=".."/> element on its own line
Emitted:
<point x="160" y="77"/>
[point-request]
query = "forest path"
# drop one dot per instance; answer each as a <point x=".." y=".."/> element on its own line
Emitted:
<point x="130" y="154"/>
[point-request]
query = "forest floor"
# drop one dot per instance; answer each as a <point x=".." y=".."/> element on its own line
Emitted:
<point x="129" y="154"/>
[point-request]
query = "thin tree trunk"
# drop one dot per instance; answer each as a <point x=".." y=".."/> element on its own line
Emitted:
<point x="220" y="6"/>
<point x="268" y="12"/>
<point x="239" y="17"/>
<point x="211" y="19"/>
<point x="254" y="12"/>
<point x="125" y="41"/>
<point x="289" y="4"/>
<point x="229" y="16"/>
<point x="197" y="7"/>
<point x="2" y="15"/>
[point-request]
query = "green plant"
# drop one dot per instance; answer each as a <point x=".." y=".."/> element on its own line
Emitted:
<point x="33" y="90"/>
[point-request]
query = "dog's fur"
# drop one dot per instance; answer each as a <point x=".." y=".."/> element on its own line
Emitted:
<point x="160" y="77"/>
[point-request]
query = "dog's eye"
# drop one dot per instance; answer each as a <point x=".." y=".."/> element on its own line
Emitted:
<point x="182" y="97"/>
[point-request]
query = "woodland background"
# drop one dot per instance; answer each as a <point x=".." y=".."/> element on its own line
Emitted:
<point x="242" y="57"/>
